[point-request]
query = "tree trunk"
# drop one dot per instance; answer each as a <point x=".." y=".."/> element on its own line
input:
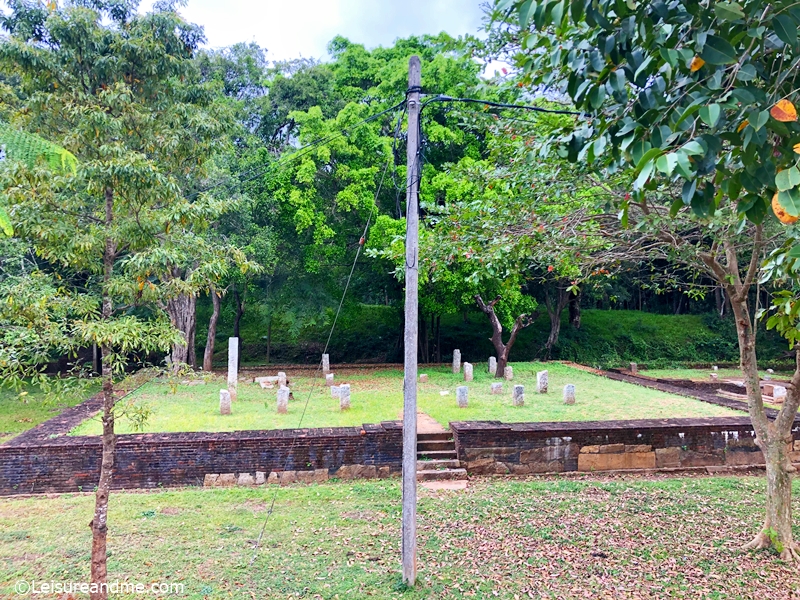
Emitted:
<point x="502" y="350"/>
<point x="99" y="522"/>
<point x="208" y="355"/>
<point x="183" y="315"/>
<point x="773" y="439"/>
<point x="575" y="310"/>
<point x="438" y="338"/>
<point x="240" y="299"/>
<point x="269" y="337"/>
<point x="554" y="310"/>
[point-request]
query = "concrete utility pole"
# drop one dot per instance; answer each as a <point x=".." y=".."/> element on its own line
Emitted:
<point x="410" y="339"/>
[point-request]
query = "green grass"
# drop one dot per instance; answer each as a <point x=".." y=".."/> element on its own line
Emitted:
<point x="377" y="396"/>
<point x="583" y="537"/>
<point x="18" y="414"/>
<point x="703" y="374"/>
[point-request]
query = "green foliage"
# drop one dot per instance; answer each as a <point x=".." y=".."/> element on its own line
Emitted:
<point x="30" y="149"/>
<point x="685" y="91"/>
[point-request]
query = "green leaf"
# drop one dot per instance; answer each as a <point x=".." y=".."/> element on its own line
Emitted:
<point x="666" y="163"/>
<point x="794" y="252"/>
<point x="525" y="12"/>
<point x="710" y="114"/>
<point x="689" y="189"/>
<point x="787" y="179"/>
<point x="693" y="108"/>
<point x="790" y="201"/>
<point x="5" y="223"/>
<point x="718" y="51"/>
<point x="694" y="148"/>
<point x="647" y="157"/>
<point x="785" y="28"/>
<point x="597" y="95"/>
<point x="728" y="11"/>
<point x="644" y="174"/>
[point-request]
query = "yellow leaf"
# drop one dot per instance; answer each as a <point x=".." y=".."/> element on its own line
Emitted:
<point x="696" y="64"/>
<point x="744" y="124"/>
<point x="796" y="148"/>
<point x="784" y="111"/>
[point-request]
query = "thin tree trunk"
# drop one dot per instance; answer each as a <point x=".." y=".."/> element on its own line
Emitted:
<point x="211" y="338"/>
<point x="575" y="310"/>
<point x="438" y="338"/>
<point x="269" y="337"/>
<point x="182" y="311"/>
<point x="554" y="310"/>
<point x="99" y="522"/>
<point x="240" y="299"/>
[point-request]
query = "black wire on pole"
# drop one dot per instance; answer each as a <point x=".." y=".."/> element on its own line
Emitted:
<point x="540" y="109"/>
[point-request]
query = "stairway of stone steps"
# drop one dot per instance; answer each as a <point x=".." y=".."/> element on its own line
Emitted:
<point x="436" y="457"/>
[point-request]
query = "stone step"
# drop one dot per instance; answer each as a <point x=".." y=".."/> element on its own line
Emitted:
<point x="437" y="455"/>
<point x="441" y="475"/>
<point x="428" y="465"/>
<point x="436" y="445"/>
<point x="438" y="435"/>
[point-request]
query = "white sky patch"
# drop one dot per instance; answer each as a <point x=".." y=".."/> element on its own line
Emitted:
<point x="293" y="28"/>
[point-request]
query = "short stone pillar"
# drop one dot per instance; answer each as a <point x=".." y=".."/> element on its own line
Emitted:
<point x="283" y="399"/>
<point x="518" y="395"/>
<point x="770" y="371"/>
<point x="326" y="363"/>
<point x="496" y="388"/>
<point x="569" y="394"/>
<point x="492" y="365"/>
<point x="715" y="368"/>
<point x="778" y="394"/>
<point x="224" y="402"/>
<point x="508" y="373"/>
<point x="281" y="378"/>
<point x="634" y="368"/>
<point x="462" y="393"/>
<point x="456" y="361"/>
<point x="344" y="396"/>
<point x="714" y="377"/>
<point x="423" y="378"/>
<point x="467" y="371"/>
<point x="542" y="382"/>
<point x="233" y="366"/>
<point x="329" y="379"/>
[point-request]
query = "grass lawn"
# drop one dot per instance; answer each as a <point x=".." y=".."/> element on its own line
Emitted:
<point x="537" y="538"/>
<point x="20" y="414"/>
<point x="703" y="374"/>
<point x="377" y="396"/>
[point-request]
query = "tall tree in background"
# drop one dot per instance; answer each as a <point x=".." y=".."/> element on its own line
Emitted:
<point x="697" y="101"/>
<point x="118" y="90"/>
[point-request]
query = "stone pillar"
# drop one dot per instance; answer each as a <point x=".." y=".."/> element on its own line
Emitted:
<point x="496" y="388"/>
<point x="569" y="394"/>
<point x="423" y="378"/>
<point x="508" y="373"/>
<point x="281" y="378"/>
<point x="519" y="395"/>
<point x="492" y="365"/>
<point x="329" y="379"/>
<point x="344" y="396"/>
<point x="778" y="394"/>
<point x="467" y="371"/>
<point x="233" y="366"/>
<point x="283" y="399"/>
<point x="634" y="368"/>
<point x="715" y="368"/>
<point x="456" y="361"/>
<point x="326" y="363"/>
<point x="224" y="402"/>
<point x="541" y="382"/>
<point x="461" y="396"/>
<point x="714" y="377"/>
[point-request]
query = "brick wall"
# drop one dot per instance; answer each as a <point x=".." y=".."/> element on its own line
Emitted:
<point x="66" y="464"/>
<point x="491" y="447"/>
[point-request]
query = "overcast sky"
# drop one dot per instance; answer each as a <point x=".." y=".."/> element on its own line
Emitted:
<point x="294" y="28"/>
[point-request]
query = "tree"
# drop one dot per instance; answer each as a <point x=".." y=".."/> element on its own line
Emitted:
<point x="695" y="100"/>
<point x="119" y="91"/>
